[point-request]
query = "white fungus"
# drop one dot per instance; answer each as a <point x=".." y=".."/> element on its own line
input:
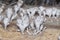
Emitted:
<point x="9" y="12"/>
<point x="28" y="18"/>
<point x="6" y="22"/>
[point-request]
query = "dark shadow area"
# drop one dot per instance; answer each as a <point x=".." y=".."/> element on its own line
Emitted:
<point x="34" y="2"/>
<point x="42" y="2"/>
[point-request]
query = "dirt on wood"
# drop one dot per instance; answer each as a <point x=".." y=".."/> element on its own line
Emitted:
<point x="12" y="34"/>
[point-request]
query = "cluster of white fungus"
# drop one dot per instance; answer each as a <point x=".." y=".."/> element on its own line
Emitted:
<point x="31" y="18"/>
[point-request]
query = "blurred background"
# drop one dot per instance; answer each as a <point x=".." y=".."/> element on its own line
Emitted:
<point x="34" y="2"/>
